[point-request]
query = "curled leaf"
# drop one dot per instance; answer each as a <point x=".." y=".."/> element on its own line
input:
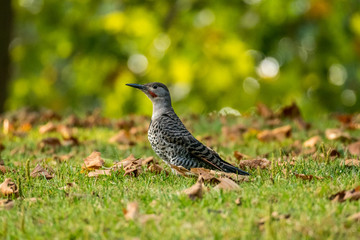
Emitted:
<point x="344" y="195"/>
<point x="278" y="134"/>
<point x="227" y="184"/>
<point x="195" y="191"/>
<point x="93" y="161"/>
<point x="9" y="188"/>
<point x="39" y="171"/>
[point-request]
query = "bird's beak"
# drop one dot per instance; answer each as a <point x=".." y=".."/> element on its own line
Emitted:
<point x="139" y="86"/>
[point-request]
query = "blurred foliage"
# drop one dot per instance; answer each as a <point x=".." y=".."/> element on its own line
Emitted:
<point x="78" y="54"/>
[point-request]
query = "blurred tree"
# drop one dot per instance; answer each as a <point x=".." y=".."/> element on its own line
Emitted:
<point x="5" y="26"/>
<point x="79" y="53"/>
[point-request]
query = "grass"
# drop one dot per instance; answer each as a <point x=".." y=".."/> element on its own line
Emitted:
<point x="94" y="209"/>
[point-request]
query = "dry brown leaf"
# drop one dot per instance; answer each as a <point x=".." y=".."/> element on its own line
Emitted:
<point x="3" y="169"/>
<point x="195" y="191"/>
<point x="49" y="142"/>
<point x="351" y="162"/>
<point x="49" y="127"/>
<point x="39" y="171"/>
<point x="212" y="175"/>
<point x="354" y="148"/>
<point x="206" y="174"/>
<point x="180" y="170"/>
<point x="125" y="162"/>
<point x="227" y="184"/>
<point x="255" y="163"/>
<point x="147" y="161"/>
<point x="307" y="177"/>
<point x="278" y="134"/>
<point x="264" y="111"/>
<point x="6" y="204"/>
<point x="9" y="188"/>
<point x="132" y="211"/>
<point x="312" y="142"/>
<point x="134" y="171"/>
<point x="93" y="161"/>
<point x="336" y="134"/>
<point x="240" y="156"/>
<point x="98" y="172"/>
<point x="344" y="195"/>
<point x="156" y="168"/>
<point x="238" y="201"/>
<point x="354" y="217"/>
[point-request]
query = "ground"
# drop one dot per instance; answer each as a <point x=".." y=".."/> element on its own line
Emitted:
<point x="275" y="202"/>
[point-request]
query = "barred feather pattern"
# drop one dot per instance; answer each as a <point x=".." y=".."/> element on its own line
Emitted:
<point x="172" y="142"/>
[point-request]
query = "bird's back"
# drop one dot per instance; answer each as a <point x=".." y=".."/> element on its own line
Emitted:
<point x="175" y="145"/>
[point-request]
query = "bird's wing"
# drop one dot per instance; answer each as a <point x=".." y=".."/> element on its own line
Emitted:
<point x="177" y="133"/>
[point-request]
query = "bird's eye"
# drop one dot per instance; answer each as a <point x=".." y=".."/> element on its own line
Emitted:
<point x="154" y="87"/>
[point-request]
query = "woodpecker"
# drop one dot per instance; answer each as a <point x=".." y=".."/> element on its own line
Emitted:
<point x="170" y="139"/>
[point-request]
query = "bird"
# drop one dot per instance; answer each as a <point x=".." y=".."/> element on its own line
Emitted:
<point x="170" y="139"/>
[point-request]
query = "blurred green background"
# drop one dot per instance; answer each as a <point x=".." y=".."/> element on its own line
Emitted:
<point x="75" y="55"/>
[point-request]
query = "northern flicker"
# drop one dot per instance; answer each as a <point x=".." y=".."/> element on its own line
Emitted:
<point x="170" y="139"/>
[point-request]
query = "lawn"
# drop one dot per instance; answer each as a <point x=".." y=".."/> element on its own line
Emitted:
<point x="275" y="202"/>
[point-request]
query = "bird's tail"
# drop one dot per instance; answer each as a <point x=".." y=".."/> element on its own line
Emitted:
<point x="232" y="169"/>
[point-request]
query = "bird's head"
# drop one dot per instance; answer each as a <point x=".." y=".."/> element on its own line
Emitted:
<point x="157" y="92"/>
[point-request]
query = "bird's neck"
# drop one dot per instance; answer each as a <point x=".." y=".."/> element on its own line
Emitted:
<point x="159" y="108"/>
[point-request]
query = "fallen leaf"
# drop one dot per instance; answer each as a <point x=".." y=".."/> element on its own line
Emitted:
<point x="307" y="177"/>
<point x="291" y="111"/>
<point x="351" y="162"/>
<point x="65" y="131"/>
<point x="134" y="170"/>
<point x="354" y="148"/>
<point x="206" y="174"/>
<point x="312" y="142"/>
<point x="278" y="134"/>
<point x="180" y="170"/>
<point x="212" y="176"/>
<point x="49" y="127"/>
<point x="240" y="156"/>
<point x="9" y="188"/>
<point x="98" y="172"/>
<point x="6" y="204"/>
<point x="49" y="142"/>
<point x="264" y="111"/>
<point x="3" y="169"/>
<point x="255" y="163"/>
<point x="132" y="211"/>
<point x="71" y="141"/>
<point x="336" y="134"/>
<point x="344" y="195"/>
<point x="156" y="168"/>
<point x="354" y="217"/>
<point x="148" y="161"/>
<point x="93" y="161"/>
<point x="195" y="191"/>
<point x="125" y="162"/>
<point x="238" y="201"/>
<point x="227" y="184"/>
<point x="39" y="171"/>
